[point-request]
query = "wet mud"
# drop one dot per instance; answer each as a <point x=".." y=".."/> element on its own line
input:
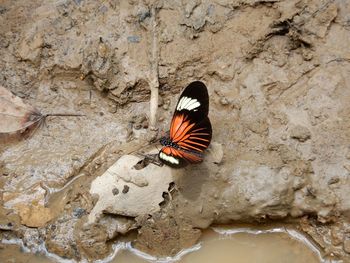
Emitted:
<point x="278" y="79"/>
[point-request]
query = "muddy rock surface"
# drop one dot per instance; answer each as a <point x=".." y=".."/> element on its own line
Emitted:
<point x="278" y="75"/>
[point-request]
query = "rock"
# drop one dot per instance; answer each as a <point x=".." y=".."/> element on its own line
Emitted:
<point x="32" y="237"/>
<point x="30" y="46"/>
<point x="6" y="227"/>
<point x="274" y="189"/>
<point x="165" y="235"/>
<point x="31" y="209"/>
<point x="322" y="21"/>
<point x="115" y="191"/>
<point x="117" y="225"/>
<point x="91" y="241"/>
<point x="60" y="238"/>
<point x="346" y="245"/>
<point x="125" y="189"/>
<point x="190" y="6"/>
<point x="337" y="236"/>
<point x="136" y="198"/>
<point x="79" y="212"/>
<point x="300" y="133"/>
<point x="133" y="39"/>
<point x="139" y="121"/>
<point x="34" y="215"/>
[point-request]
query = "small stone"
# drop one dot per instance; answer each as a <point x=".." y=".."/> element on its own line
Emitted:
<point x="333" y="180"/>
<point x="34" y="215"/>
<point x="125" y="189"/>
<point x="311" y="191"/>
<point x="300" y="133"/>
<point x="224" y="101"/>
<point x="137" y="126"/>
<point x="139" y="122"/>
<point x="166" y="105"/>
<point x="337" y="236"/>
<point x="307" y="54"/>
<point x="102" y="50"/>
<point x="30" y="47"/>
<point x="145" y="124"/>
<point x="284" y="137"/>
<point x="75" y="158"/>
<point x="346" y="245"/>
<point x="143" y="15"/>
<point x="79" y="212"/>
<point x="113" y="108"/>
<point x="6" y="227"/>
<point x="115" y="191"/>
<point x="134" y="39"/>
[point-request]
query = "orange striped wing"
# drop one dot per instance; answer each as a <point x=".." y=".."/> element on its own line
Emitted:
<point x="193" y="138"/>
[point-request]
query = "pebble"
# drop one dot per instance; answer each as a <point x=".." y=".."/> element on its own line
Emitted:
<point x="133" y="39"/>
<point x="333" y="180"/>
<point x="346" y="245"/>
<point x="102" y="50"/>
<point x="115" y="191"/>
<point x="300" y="133"/>
<point x="224" y="101"/>
<point x="125" y="189"/>
<point x="79" y="212"/>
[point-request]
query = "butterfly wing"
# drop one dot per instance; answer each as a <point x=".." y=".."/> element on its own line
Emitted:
<point x="190" y="135"/>
<point x="190" y="127"/>
<point x="194" y="101"/>
<point x="177" y="157"/>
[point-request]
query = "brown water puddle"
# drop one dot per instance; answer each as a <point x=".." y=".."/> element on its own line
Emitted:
<point x="14" y="254"/>
<point x="222" y="245"/>
<point x="241" y="245"/>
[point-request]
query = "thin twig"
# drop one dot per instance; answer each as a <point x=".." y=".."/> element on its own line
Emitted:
<point x="154" y="83"/>
<point x="62" y="115"/>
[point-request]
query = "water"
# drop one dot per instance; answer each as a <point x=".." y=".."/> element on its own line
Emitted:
<point x="224" y="245"/>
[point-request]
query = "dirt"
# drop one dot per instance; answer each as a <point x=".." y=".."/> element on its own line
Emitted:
<point x="278" y="78"/>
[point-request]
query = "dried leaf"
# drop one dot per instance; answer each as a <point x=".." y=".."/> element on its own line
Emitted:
<point x="15" y="115"/>
<point x="18" y="118"/>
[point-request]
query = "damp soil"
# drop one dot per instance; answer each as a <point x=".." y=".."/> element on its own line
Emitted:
<point x="278" y="77"/>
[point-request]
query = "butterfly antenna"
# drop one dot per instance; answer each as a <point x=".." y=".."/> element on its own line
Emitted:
<point x="139" y="148"/>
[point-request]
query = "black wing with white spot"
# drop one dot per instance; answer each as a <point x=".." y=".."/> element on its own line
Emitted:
<point x="194" y="101"/>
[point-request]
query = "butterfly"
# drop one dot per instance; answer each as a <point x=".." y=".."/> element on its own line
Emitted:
<point x="190" y="129"/>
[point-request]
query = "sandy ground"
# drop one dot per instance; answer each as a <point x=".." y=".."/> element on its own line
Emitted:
<point x="279" y="85"/>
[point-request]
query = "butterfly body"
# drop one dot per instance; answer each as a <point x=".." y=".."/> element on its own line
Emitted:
<point x="190" y="129"/>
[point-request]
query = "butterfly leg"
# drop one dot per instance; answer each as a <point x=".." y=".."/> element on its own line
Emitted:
<point x="158" y="135"/>
<point x="147" y="159"/>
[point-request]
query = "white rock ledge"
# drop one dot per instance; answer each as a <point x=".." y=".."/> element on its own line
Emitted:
<point x="123" y="190"/>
